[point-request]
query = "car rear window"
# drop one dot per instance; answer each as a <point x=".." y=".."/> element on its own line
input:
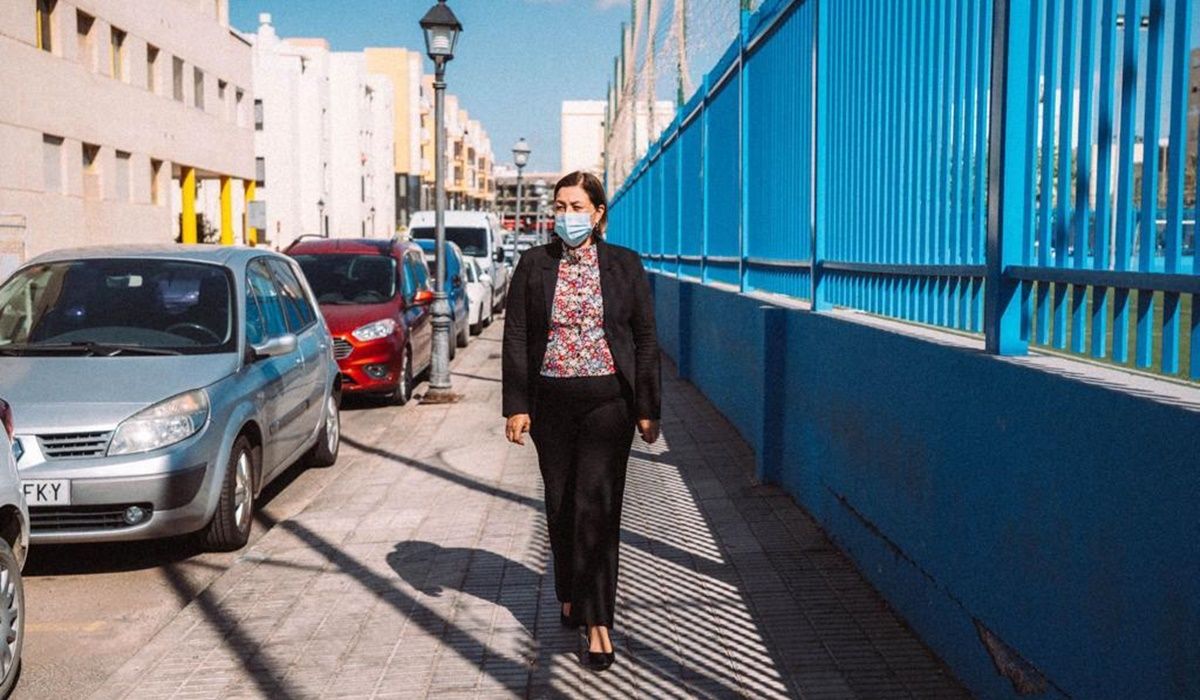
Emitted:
<point x="472" y="239"/>
<point x="338" y="278"/>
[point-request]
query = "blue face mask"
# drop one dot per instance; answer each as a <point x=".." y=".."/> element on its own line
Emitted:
<point x="574" y="228"/>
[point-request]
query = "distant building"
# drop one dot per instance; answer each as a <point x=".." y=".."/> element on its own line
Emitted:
<point x="118" y="123"/>
<point x="582" y="136"/>
<point x="403" y="68"/>
<point x="469" y="158"/>
<point x="363" y="158"/>
<point x="292" y="133"/>
<point x="506" y="197"/>
<point x="324" y="143"/>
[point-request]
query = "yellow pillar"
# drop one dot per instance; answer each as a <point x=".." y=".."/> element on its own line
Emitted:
<point x="189" y="205"/>
<point x="251" y="232"/>
<point x="226" y="211"/>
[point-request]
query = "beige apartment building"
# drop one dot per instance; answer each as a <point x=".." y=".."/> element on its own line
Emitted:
<point x="469" y="158"/>
<point x="125" y="121"/>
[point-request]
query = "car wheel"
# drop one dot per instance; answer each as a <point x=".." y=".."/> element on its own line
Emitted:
<point x="404" y="390"/>
<point x="12" y="618"/>
<point x="229" y="528"/>
<point x="325" y="452"/>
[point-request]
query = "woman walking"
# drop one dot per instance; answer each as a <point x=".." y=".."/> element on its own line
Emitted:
<point x="581" y="371"/>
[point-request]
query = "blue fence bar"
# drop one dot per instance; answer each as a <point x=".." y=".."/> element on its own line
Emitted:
<point x="838" y="152"/>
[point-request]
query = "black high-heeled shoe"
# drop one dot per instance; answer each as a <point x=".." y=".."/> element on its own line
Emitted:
<point x="598" y="661"/>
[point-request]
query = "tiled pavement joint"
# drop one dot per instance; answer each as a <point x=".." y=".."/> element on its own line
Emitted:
<point x="423" y="570"/>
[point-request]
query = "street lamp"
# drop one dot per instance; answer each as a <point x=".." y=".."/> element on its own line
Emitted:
<point x="520" y="152"/>
<point x="441" y="29"/>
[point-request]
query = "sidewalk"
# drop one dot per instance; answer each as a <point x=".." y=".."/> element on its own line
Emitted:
<point x="421" y="571"/>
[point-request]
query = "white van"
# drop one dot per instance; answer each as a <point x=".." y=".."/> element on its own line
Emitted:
<point x="479" y="235"/>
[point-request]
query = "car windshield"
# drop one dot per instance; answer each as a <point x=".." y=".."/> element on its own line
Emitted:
<point x="472" y="240"/>
<point x="350" y="279"/>
<point x="117" y="307"/>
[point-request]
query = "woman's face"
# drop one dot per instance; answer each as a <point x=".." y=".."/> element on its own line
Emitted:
<point x="575" y="200"/>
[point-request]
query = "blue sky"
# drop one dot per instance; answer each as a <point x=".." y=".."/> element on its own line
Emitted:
<point x="516" y="61"/>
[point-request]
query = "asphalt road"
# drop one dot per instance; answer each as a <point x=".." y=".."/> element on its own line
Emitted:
<point x="91" y="607"/>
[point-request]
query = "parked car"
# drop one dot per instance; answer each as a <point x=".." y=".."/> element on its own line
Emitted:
<point x="157" y="390"/>
<point x="479" y="235"/>
<point x="14" y="544"/>
<point x="375" y="296"/>
<point x="456" y="291"/>
<point x="479" y="295"/>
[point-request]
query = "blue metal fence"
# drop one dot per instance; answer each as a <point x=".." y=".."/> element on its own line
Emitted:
<point x="925" y="160"/>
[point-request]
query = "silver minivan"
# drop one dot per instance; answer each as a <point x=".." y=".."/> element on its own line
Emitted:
<point x="157" y="390"/>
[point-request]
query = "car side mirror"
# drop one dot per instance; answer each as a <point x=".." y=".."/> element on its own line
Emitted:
<point x="274" y="347"/>
<point x="498" y="256"/>
<point x="423" y="297"/>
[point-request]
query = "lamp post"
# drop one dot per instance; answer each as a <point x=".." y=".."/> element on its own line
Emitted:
<point x="520" y="153"/>
<point x="441" y="29"/>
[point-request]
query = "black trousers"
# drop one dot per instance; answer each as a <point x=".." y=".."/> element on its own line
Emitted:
<point x="583" y="431"/>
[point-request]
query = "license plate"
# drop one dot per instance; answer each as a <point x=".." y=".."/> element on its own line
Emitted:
<point x="47" y="492"/>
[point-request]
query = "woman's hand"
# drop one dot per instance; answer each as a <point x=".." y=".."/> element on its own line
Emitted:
<point x="517" y="426"/>
<point x="649" y="428"/>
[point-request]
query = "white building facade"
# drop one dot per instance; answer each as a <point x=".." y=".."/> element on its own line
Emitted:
<point x="324" y="140"/>
<point x="363" y="159"/>
<point x="125" y="121"/>
<point x="292" y="144"/>
<point x="582" y="136"/>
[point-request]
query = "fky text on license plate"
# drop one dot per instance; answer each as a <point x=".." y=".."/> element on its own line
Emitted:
<point x="47" y="492"/>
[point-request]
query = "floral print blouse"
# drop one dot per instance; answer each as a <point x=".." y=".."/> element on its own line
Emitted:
<point x="577" y="347"/>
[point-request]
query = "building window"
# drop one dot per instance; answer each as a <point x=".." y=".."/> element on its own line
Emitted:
<point x="52" y="163"/>
<point x="258" y="115"/>
<point x="91" y="172"/>
<point x="240" y="106"/>
<point x="117" y="46"/>
<point x="260" y="171"/>
<point x="155" y="181"/>
<point x="152" y="68"/>
<point x="45" y="24"/>
<point x="198" y="88"/>
<point x="177" y="78"/>
<point x="222" y="90"/>
<point x="121" y="174"/>
<point x="83" y="33"/>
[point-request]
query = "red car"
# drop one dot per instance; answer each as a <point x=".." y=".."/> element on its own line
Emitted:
<point x="375" y="296"/>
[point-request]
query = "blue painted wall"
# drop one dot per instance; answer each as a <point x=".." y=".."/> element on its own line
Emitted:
<point x="1060" y="515"/>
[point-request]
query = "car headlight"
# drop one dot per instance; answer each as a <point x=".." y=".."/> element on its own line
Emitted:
<point x="163" y="424"/>
<point x="374" y="331"/>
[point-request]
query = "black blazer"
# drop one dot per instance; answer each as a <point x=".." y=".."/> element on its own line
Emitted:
<point x="628" y="326"/>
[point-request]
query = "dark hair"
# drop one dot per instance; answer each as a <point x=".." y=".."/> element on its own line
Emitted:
<point x="595" y="192"/>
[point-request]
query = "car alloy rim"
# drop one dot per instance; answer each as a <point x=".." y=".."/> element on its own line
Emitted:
<point x="10" y="619"/>
<point x="242" y="495"/>
<point x="333" y="426"/>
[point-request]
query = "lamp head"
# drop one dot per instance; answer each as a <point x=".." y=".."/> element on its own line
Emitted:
<point x="520" y="153"/>
<point x="441" y="29"/>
